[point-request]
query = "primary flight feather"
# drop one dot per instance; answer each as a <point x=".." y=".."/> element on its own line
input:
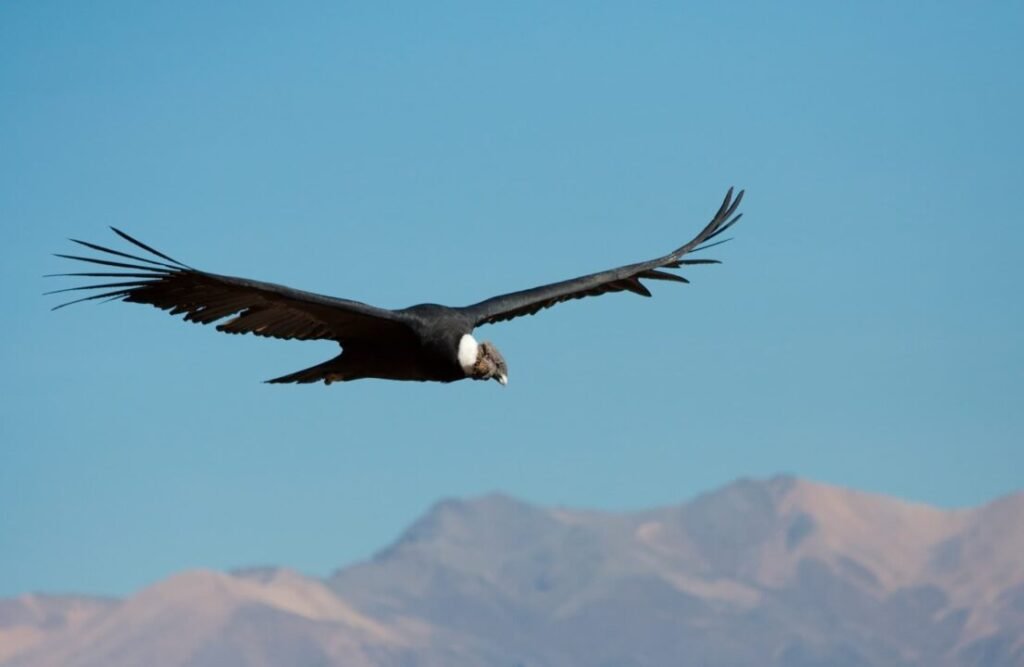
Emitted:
<point x="423" y="342"/>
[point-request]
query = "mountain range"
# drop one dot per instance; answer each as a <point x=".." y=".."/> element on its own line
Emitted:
<point x="780" y="572"/>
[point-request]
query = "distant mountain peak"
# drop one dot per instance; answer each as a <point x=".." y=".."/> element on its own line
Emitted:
<point x="494" y="517"/>
<point x="781" y="572"/>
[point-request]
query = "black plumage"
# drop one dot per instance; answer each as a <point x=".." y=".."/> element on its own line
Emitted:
<point x="423" y="342"/>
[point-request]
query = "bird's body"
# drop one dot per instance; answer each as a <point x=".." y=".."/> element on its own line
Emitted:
<point x="426" y="342"/>
<point x="431" y="352"/>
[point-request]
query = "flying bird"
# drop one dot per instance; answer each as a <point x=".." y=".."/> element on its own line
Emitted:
<point x="426" y="342"/>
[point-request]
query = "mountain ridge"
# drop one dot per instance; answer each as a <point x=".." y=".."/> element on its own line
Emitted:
<point x="781" y="571"/>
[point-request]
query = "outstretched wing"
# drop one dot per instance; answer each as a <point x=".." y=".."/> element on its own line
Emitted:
<point x="624" y="278"/>
<point x="264" y="309"/>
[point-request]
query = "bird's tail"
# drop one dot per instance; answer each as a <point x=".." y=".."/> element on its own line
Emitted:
<point x="329" y="371"/>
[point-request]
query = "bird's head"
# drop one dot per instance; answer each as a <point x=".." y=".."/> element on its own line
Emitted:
<point x="482" y="361"/>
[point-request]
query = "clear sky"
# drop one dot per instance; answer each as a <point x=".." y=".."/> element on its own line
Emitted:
<point x="864" y="330"/>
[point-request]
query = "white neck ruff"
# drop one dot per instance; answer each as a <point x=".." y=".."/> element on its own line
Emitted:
<point x="469" y="349"/>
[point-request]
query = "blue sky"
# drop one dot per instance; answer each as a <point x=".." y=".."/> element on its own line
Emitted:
<point x="864" y="330"/>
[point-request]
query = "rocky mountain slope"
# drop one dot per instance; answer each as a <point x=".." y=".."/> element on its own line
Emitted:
<point x="779" y="572"/>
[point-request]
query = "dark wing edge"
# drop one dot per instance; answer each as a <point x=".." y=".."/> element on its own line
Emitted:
<point x="625" y="278"/>
<point x="263" y="309"/>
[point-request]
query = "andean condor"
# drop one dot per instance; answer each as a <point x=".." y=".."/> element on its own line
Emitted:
<point x="423" y="342"/>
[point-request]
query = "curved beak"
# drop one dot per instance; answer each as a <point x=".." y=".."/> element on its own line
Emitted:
<point x="502" y="379"/>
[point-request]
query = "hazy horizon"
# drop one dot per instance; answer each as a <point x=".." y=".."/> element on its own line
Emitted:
<point x="243" y="567"/>
<point x="784" y="571"/>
